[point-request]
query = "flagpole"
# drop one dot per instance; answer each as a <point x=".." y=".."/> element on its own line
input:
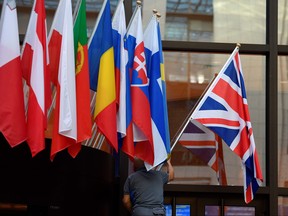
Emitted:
<point x="54" y="92"/>
<point x="139" y="4"/>
<point x="76" y="10"/>
<point x="186" y="121"/>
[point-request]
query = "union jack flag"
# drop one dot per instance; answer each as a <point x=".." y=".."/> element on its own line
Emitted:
<point x="224" y="110"/>
<point x="205" y="145"/>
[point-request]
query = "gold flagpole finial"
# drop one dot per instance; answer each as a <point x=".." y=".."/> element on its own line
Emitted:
<point x="238" y="45"/>
<point x="139" y="3"/>
<point x="155" y="11"/>
<point x="158" y="15"/>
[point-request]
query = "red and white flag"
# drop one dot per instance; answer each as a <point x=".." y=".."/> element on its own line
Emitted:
<point x="61" y="45"/>
<point x="34" y="60"/>
<point x="12" y="113"/>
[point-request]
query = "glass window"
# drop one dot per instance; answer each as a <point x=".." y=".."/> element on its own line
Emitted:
<point x="187" y="76"/>
<point x="282" y="121"/>
<point x="229" y="211"/>
<point x="282" y="206"/>
<point x="238" y="211"/>
<point x="283" y="22"/>
<point x="212" y="210"/>
<point x="93" y="7"/>
<point x="212" y="20"/>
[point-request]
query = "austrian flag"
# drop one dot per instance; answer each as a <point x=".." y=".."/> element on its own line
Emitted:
<point x="224" y="110"/>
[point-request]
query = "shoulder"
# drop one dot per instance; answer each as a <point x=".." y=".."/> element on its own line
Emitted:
<point x="164" y="176"/>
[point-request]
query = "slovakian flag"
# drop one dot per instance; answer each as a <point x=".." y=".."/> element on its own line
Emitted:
<point x="224" y="110"/>
<point x="65" y="120"/>
<point x="157" y="97"/>
<point x="12" y="112"/>
<point x="84" y="124"/>
<point x="123" y="95"/>
<point x="102" y="75"/>
<point x="141" y="115"/>
<point x="34" y="58"/>
<point x="206" y="146"/>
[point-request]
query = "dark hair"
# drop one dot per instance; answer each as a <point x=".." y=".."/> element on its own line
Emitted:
<point x="138" y="163"/>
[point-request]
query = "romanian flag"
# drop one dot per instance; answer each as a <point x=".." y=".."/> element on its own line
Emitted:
<point x="12" y="114"/>
<point x="84" y="125"/>
<point x="34" y="60"/>
<point x="65" y="120"/>
<point x="102" y="75"/>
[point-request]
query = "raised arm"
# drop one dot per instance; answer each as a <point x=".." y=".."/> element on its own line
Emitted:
<point x="170" y="170"/>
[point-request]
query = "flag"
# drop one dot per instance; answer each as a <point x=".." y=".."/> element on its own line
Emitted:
<point x="219" y="165"/>
<point x="165" y="110"/>
<point x="65" y="120"/>
<point x="84" y="125"/>
<point x="34" y="58"/>
<point x="102" y="75"/>
<point x="123" y="96"/>
<point x="206" y="146"/>
<point x="141" y="115"/>
<point x="224" y="110"/>
<point x="158" y="103"/>
<point x="12" y="113"/>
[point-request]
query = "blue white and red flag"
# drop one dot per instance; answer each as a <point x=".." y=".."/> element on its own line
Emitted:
<point x="123" y="96"/>
<point x="224" y="110"/>
<point x="158" y="102"/>
<point x="136" y="67"/>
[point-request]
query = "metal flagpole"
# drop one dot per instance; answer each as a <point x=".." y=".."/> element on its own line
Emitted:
<point x="76" y="10"/>
<point x="139" y="3"/>
<point x="185" y="123"/>
<point x="187" y="119"/>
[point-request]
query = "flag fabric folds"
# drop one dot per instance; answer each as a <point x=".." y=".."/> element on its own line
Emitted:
<point x="34" y="60"/>
<point x="65" y="120"/>
<point x="136" y="67"/>
<point x="123" y="96"/>
<point x="157" y="97"/>
<point x="102" y="75"/>
<point x="12" y="113"/>
<point x="165" y="109"/>
<point x="224" y="110"/>
<point x="84" y="125"/>
<point x="206" y="146"/>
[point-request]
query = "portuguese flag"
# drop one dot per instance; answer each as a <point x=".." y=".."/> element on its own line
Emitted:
<point x="84" y="123"/>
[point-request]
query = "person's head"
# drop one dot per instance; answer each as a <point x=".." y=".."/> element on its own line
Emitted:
<point x="138" y="163"/>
